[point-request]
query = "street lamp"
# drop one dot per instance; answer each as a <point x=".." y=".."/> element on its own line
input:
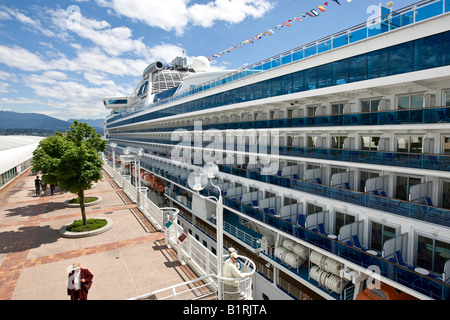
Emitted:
<point x="113" y="145"/>
<point x="197" y="181"/>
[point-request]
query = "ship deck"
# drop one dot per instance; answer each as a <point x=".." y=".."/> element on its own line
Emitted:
<point x="129" y="260"/>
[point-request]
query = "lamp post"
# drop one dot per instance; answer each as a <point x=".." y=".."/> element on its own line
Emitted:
<point x="113" y="145"/>
<point x="198" y="181"/>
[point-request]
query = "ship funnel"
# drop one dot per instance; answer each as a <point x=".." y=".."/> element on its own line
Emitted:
<point x="155" y="66"/>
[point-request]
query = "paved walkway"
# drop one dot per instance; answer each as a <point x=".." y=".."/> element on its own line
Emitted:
<point x="127" y="261"/>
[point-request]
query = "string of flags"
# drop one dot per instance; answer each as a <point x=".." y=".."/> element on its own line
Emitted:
<point x="311" y="14"/>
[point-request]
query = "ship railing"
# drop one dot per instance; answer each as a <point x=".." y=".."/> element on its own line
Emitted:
<point x="418" y="160"/>
<point x="411" y="14"/>
<point x="204" y="288"/>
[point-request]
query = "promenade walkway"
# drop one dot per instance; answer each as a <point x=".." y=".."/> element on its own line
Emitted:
<point x="127" y="261"/>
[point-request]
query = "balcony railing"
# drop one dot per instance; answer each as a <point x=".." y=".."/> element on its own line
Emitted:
<point x="376" y="118"/>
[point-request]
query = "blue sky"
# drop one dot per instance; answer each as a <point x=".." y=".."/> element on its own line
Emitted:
<point x="61" y="58"/>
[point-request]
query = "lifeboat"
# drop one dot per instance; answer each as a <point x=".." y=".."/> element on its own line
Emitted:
<point x="147" y="180"/>
<point x="158" y="185"/>
<point x="385" y="292"/>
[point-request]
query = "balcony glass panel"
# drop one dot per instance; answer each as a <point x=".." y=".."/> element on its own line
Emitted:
<point x="298" y="55"/>
<point x="340" y="41"/>
<point x="310" y="51"/>
<point x="358" y="35"/>
<point x="428" y="11"/>
<point x="324" y="46"/>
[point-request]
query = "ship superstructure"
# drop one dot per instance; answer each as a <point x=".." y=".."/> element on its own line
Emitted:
<point x="334" y="158"/>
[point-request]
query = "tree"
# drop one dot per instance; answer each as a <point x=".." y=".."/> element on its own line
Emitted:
<point x="71" y="159"/>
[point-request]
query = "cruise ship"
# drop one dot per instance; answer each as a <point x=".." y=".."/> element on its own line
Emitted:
<point x="333" y="161"/>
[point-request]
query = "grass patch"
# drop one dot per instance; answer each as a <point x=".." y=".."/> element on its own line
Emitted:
<point x="92" y="224"/>
<point x="86" y="200"/>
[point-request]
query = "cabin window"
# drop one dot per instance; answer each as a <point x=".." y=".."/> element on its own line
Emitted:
<point x="432" y="253"/>
<point x="403" y="185"/>
<point x="380" y="233"/>
<point x="343" y="219"/>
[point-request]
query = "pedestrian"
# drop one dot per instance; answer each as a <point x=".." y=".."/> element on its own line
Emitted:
<point x="52" y="189"/>
<point x="44" y="187"/>
<point x="231" y="287"/>
<point x="79" y="282"/>
<point x="37" y="185"/>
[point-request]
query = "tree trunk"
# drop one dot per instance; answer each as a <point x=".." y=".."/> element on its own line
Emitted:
<point x="83" y="210"/>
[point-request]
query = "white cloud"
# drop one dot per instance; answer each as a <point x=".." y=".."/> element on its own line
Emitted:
<point x="9" y="13"/>
<point x="231" y="11"/>
<point x="177" y="14"/>
<point x="17" y="57"/>
<point x="168" y="14"/>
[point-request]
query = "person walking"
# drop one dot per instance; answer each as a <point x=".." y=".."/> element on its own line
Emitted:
<point x="37" y="185"/>
<point x="52" y="189"/>
<point x="79" y="282"/>
<point x="44" y="188"/>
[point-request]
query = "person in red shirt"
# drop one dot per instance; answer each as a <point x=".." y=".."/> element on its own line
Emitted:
<point x="79" y="282"/>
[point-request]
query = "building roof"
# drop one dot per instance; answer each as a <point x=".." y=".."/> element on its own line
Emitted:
<point x="16" y="149"/>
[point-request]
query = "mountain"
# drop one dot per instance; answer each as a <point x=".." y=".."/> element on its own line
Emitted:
<point x="95" y="123"/>
<point x="14" y="120"/>
<point x="34" y="121"/>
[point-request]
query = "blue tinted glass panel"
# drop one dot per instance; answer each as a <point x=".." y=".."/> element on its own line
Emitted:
<point x="324" y="46"/>
<point x="340" y="72"/>
<point x="357" y="67"/>
<point x="267" y="88"/>
<point x="446" y="48"/>
<point x="427" y="52"/>
<point x="447" y="6"/>
<point x="428" y="11"/>
<point x="340" y="41"/>
<point x="258" y="90"/>
<point x="310" y="51"/>
<point x="400" y="58"/>
<point x="324" y="76"/>
<point x="311" y="79"/>
<point x="286" y="84"/>
<point x="286" y="59"/>
<point x="407" y="18"/>
<point x="267" y="65"/>
<point x="276" y="86"/>
<point x="358" y="35"/>
<point x="374" y="29"/>
<point x="297" y="55"/>
<point x="377" y="64"/>
<point x="298" y="83"/>
<point x="276" y="62"/>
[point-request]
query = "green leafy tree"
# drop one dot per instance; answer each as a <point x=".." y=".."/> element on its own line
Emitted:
<point x="71" y="159"/>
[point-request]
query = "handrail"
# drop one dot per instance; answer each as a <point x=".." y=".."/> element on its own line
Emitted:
<point x="219" y="280"/>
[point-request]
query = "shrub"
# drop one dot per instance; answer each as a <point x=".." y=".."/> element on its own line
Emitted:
<point x="92" y="224"/>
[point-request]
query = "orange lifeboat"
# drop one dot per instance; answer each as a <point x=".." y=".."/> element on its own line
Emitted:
<point x="385" y="292"/>
<point x="158" y="185"/>
<point x="147" y="180"/>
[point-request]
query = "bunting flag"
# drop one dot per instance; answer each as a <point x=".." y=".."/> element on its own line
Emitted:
<point x="313" y="13"/>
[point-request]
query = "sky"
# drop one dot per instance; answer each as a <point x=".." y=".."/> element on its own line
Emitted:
<point x="61" y="58"/>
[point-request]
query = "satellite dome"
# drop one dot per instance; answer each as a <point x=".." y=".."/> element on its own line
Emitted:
<point x="201" y="64"/>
